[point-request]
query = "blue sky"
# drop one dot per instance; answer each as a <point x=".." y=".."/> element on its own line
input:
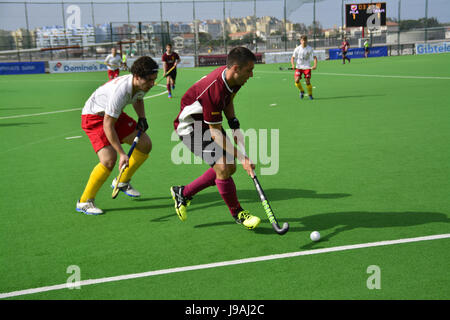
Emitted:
<point x="328" y="12"/>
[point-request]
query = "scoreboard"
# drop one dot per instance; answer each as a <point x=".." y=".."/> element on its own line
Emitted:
<point x="369" y="15"/>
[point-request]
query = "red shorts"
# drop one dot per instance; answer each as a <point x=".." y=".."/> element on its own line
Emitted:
<point x="92" y="124"/>
<point x="306" y="72"/>
<point x="113" y="74"/>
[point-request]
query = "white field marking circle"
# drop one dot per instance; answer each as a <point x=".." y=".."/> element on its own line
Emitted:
<point x="75" y="137"/>
<point x="223" y="264"/>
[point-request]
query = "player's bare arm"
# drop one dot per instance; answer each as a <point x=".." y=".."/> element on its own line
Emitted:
<point x="231" y="117"/>
<point x="314" y="67"/>
<point x="139" y="108"/>
<point x="229" y="109"/>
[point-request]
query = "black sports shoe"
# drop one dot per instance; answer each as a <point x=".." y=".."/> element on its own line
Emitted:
<point x="181" y="202"/>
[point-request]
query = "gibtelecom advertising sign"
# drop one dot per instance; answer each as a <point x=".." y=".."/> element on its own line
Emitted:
<point x="437" y="47"/>
<point x="353" y="53"/>
<point x="22" y="67"/>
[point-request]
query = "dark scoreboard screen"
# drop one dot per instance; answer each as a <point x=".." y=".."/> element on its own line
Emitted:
<point x="365" y="14"/>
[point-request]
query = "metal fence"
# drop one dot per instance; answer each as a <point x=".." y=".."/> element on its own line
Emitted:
<point x="88" y="29"/>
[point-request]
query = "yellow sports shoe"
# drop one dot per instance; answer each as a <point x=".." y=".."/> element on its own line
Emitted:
<point x="181" y="202"/>
<point x="249" y="221"/>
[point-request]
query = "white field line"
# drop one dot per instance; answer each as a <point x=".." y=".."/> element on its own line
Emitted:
<point x="39" y="114"/>
<point x="66" y="110"/>
<point x="369" y="75"/>
<point x="349" y="75"/>
<point x="221" y="264"/>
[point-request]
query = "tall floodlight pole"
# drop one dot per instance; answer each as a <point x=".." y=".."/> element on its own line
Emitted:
<point x="426" y="20"/>
<point x="342" y="16"/>
<point x="195" y="34"/>
<point x="285" y="27"/>
<point x="161" y="25"/>
<point x="314" y="23"/>
<point x="254" y="26"/>
<point x="398" y="31"/>
<point x="224" y="31"/>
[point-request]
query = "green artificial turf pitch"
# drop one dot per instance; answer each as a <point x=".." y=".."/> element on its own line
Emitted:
<point x="366" y="161"/>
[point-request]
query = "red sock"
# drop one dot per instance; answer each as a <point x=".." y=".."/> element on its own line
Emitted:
<point x="204" y="181"/>
<point x="227" y="190"/>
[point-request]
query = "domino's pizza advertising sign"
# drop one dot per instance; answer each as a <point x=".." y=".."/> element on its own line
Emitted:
<point x="68" y="66"/>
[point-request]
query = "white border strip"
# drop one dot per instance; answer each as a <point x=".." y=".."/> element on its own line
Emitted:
<point x="222" y="264"/>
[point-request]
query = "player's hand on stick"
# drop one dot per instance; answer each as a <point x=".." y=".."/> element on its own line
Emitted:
<point x="142" y="124"/>
<point x="123" y="161"/>
<point x="248" y="166"/>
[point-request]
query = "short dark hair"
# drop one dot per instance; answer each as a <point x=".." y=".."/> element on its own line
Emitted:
<point x="240" y="56"/>
<point x="304" y="37"/>
<point x="144" y="66"/>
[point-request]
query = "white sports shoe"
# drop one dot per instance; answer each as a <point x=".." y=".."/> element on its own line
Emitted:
<point x="88" y="207"/>
<point x="126" y="188"/>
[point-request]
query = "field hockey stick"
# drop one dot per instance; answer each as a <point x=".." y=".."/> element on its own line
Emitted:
<point x="268" y="209"/>
<point x="111" y="65"/>
<point x="116" y="187"/>
<point x="265" y="203"/>
<point x="164" y="75"/>
<point x="286" y="68"/>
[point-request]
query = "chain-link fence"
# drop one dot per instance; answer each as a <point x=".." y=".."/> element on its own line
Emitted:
<point x="88" y="29"/>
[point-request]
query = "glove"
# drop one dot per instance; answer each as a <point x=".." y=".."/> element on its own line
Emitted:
<point x="142" y="124"/>
<point x="234" y="123"/>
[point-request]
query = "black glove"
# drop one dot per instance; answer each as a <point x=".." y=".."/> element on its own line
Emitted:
<point x="234" y="123"/>
<point x="142" y="124"/>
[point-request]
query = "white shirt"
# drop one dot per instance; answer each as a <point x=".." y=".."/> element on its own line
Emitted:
<point x="113" y="60"/>
<point x="303" y="56"/>
<point x="112" y="97"/>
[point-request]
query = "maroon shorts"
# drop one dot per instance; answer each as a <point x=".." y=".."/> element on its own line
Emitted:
<point x="92" y="124"/>
<point x="113" y="74"/>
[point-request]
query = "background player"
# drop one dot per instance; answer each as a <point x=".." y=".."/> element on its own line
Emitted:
<point x="170" y="58"/>
<point x="301" y="63"/>
<point x="113" y="61"/>
<point x="124" y="61"/>
<point x="366" y="48"/>
<point x="345" y="45"/>
<point x="107" y="127"/>
<point x="199" y="126"/>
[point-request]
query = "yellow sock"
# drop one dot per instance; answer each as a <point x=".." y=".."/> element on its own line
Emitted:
<point x="309" y="87"/>
<point x="96" y="180"/>
<point x="136" y="160"/>
<point x="299" y="86"/>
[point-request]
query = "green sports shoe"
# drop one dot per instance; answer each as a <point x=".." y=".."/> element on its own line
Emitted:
<point x="181" y="202"/>
<point x="249" y="221"/>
